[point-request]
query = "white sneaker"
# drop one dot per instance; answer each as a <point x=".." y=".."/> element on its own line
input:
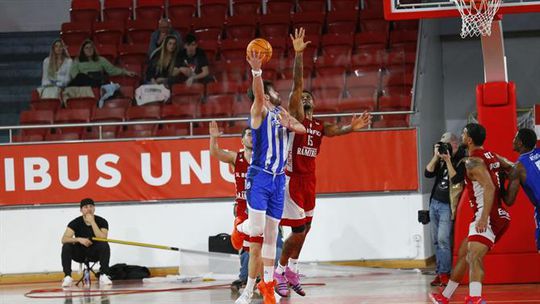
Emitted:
<point x="67" y="281"/>
<point x="244" y="298"/>
<point x="104" y="280"/>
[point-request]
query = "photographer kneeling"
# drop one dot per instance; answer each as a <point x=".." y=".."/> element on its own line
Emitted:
<point x="448" y="169"/>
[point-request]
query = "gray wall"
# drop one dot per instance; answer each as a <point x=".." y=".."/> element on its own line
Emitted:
<point x="33" y="15"/>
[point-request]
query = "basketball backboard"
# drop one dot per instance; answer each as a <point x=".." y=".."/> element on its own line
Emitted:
<point x="420" y="9"/>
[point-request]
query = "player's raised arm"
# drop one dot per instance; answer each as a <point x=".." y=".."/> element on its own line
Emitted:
<point x="223" y="155"/>
<point x="257" y="108"/>
<point x="357" y="123"/>
<point x="296" y="109"/>
<point x="477" y="171"/>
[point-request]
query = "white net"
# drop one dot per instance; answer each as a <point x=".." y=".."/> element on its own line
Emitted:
<point x="477" y="16"/>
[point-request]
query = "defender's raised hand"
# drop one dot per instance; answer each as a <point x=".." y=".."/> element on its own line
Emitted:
<point x="361" y="121"/>
<point x="298" y="40"/>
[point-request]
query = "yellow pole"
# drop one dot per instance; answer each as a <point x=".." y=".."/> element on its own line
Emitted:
<point x="135" y="244"/>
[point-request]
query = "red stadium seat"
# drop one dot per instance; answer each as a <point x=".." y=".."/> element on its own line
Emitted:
<point x="182" y="93"/>
<point x="109" y="52"/>
<point x="311" y="21"/>
<point x="151" y="10"/>
<point x="95" y="135"/>
<point x="135" y="134"/>
<point x="374" y="25"/>
<point x="82" y="103"/>
<point x="279" y="7"/>
<point x="242" y="107"/>
<point x="85" y="10"/>
<point x="42" y="117"/>
<point x="279" y="46"/>
<point x="128" y="83"/>
<point x="133" y="54"/>
<point x="403" y="37"/>
<point x="368" y="13"/>
<point x="330" y="87"/>
<point x="109" y="32"/>
<point x="178" y="111"/>
<point x="357" y="105"/>
<point x="208" y="29"/>
<point x="74" y="33"/>
<point x="170" y="132"/>
<point x="287" y="70"/>
<point x="372" y="58"/>
<point x="402" y="102"/>
<point x="142" y="113"/>
<point x="67" y="116"/>
<point x="406" y="25"/>
<point x="139" y="31"/>
<point x="341" y="22"/>
<point x="332" y="65"/>
<point x="117" y="10"/>
<point x="312" y="6"/>
<point x="344" y="5"/>
<point x="370" y="79"/>
<point x="234" y="49"/>
<point x="275" y="25"/>
<point x="122" y="103"/>
<point x="217" y="106"/>
<point x="223" y="88"/>
<point x="400" y="57"/>
<point x="246" y="7"/>
<point x="183" y="26"/>
<point x="214" y="9"/>
<point x="230" y="70"/>
<point x="371" y="40"/>
<point x="62" y="136"/>
<point x="337" y="45"/>
<point x="46" y="104"/>
<point x="108" y="115"/>
<point x="236" y="128"/>
<point x="27" y="138"/>
<point x="182" y="9"/>
<point x="241" y="27"/>
<point x="210" y="47"/>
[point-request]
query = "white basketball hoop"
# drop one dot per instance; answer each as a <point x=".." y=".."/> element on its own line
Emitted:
<point x="477" y="16"/>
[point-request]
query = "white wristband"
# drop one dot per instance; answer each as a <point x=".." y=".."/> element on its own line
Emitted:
<point x="256" y="73"/>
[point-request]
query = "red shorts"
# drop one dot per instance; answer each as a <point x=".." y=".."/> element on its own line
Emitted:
<point x="497" y="226"/>
<point x="299" y="200"/>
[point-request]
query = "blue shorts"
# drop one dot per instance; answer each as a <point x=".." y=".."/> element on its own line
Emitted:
<point x="265" y="192"/>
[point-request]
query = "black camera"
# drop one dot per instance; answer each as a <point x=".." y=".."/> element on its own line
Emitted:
<point x="444" y="148"/>
<point x="423" y="216"/>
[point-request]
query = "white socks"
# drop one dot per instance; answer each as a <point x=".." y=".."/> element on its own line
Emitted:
<point x="450" y="288"/>
<point x="268" y="273"/>
<point x="475" y="289"/>
<point x="250" y="285"/>
<point x="293" y="264"/>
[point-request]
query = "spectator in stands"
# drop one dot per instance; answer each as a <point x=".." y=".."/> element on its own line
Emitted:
<point x="164" y="66"/>
<point x="90" y="69"/>
<point x="56" y="69"/>
<point x="447" y="167"/>
<point x="194" y="63"/>
<point x="78" y="245"/>
<point x="164" y="30"/>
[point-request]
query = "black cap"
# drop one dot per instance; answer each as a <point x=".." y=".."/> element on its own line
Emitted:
<point x="87" y="201"/>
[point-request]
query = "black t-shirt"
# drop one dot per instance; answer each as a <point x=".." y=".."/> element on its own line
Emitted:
<point x="441" y="191"/>
<point x="82" y="230"/>
<point x="196" y="62"/>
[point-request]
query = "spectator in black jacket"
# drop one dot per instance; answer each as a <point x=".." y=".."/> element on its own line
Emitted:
<point x="446" y="167"/>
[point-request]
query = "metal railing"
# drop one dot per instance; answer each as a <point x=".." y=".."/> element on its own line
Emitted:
<point x="191" y="123"/>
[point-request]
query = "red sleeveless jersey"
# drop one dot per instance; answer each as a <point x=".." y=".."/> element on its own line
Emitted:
<point x="305" y="148"/>
<point x="476" y="192"/>
<point x="240" y="170"/>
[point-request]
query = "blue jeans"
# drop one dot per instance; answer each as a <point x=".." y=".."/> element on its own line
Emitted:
<point x="244" y="258"/>
<point x="441" y="231"/>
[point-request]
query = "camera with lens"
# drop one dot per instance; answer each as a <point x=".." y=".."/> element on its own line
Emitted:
<point x="444" y="148"/>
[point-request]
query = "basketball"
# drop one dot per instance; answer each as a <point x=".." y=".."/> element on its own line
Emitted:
<point x="260" y="45"/>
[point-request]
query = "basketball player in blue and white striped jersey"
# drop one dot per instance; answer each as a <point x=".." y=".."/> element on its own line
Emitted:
<point x="265" y="181"/>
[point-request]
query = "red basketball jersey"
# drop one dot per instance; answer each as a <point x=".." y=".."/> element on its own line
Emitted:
<point x="305" y="148"/>
<point x="240" y="170"/>
<point x="476" y="192"/>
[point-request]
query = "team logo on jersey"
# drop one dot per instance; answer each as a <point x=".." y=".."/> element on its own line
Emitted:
<point x="248" y="184"/>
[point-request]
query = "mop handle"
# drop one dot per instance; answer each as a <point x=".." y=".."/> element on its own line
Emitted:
<point x="135" y="244"/>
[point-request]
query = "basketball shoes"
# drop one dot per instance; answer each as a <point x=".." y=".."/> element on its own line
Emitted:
<point x="437" y="298"/>
<point x="474" y="300"/>
<point x="294" y="280"/>
<point x="267" y="291"/>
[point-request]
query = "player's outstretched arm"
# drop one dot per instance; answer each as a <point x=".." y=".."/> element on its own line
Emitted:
<point x="223" y="155"/>
<point x="477" y="170"/>
<point x="257" y="108"/>
<point x="296" y="109"/>
<point x="290" y="122"/>
<point x="515" y="177"/>
<point x="506" y="164"/>
<point x="357" y="123"/>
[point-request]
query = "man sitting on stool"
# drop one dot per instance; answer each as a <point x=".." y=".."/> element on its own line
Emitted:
<point x="77" y="244"/>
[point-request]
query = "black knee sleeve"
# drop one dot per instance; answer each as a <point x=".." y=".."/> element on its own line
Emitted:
<point x="299" y="229"/>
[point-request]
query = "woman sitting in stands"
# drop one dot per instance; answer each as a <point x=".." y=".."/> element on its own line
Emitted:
<point x="56" y="69"/>
<point x="90" y="69"/>
<point x="163" y="66"/>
